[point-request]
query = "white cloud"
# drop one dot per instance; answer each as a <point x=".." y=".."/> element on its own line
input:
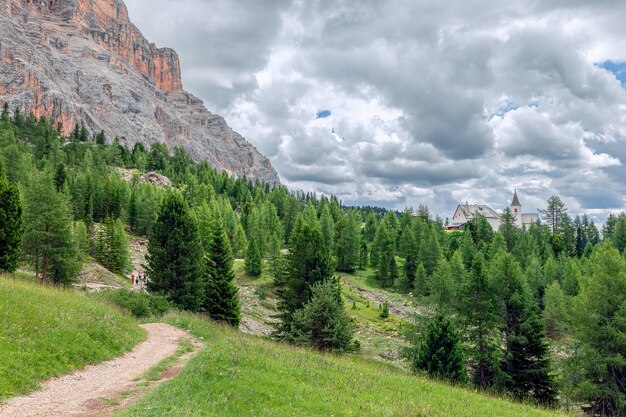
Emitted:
<point x="432" y="102"/>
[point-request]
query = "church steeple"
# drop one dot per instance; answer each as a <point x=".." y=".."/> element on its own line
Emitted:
<point x="515" y="202"/>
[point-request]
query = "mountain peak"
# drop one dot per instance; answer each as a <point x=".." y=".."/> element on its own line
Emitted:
<point x="83" y="61"/>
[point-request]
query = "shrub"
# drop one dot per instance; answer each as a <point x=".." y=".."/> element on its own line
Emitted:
<point x="139" y="304"/>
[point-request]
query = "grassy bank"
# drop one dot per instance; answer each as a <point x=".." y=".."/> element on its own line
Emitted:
<point x="46" y="332"/>
<point x="241" y="375"/>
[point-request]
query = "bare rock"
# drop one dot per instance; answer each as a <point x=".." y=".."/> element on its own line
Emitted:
<point x="83" y="61"/>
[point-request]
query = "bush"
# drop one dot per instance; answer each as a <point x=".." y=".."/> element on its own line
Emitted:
<point x="139" y="304"/>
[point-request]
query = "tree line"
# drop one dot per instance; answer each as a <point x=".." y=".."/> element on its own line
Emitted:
<point x="499" y="302"/>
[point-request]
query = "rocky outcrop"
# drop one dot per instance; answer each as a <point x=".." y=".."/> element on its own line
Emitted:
<point x="83" y="61"/>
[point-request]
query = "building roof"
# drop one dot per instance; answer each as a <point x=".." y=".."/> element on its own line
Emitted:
<point x="515" y="202"/>
<point x="470" y="210"/>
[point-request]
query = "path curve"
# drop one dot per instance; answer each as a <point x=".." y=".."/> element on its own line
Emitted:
<point x="80" y="393"/>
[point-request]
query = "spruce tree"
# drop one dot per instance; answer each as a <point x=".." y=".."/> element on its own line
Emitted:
<point x="175" y="255"/>
<point x="253" y="261"/>
<point x="438" y="352"/>
<point x="11" y="230"/>
<point x="307" y="263"/>
<point x="478" y="311"/>
<point x="221" y="301"/>
<point x="525" y="365"/>
<point x="323" y="322"/>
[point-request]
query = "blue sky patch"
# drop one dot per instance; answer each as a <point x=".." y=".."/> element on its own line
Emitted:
<point x="616" y="68"/>
<point x="323" y="114"/>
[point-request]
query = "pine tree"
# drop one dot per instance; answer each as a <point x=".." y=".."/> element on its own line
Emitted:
<point x="11" y="230"/>
<point x="525" y="362"/>
<point x="253" y="261"/>
<point x="175" y="255"/>
<point x="438" y="352"/>
<point x="221" y="301"/>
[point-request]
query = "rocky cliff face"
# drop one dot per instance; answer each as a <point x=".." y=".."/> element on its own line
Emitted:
<point x="84" y="61"/>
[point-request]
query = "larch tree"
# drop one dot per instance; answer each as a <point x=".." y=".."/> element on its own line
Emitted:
<point x="253" y="261"/>
<point x="553" y="214"/>
<point x="48" y="237"/>
<point x="347" y="242"/>
<point x="597" y="370"/>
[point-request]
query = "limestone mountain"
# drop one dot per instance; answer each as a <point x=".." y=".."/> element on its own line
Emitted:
<point x="83" y="61"/>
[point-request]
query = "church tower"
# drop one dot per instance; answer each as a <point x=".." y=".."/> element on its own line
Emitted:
<point x="516" y="209"/>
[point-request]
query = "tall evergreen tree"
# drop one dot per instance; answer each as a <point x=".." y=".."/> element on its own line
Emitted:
<point x="327" y="226"/>
<point x="479" y="313"/>
<point x="553" y="214"/>
<point x="525" y="362"/>
<point x="175" y="255"/>
<point x="307" y="263"/>
<point x="597" y="369"/>
<point x="221" y="301"/>
<point x="11" y="230"/>
<point x="438" y="352"/>
<point x="47" y="231"/>
<point x="347" y="242"/>
<point x="253" y="261"/>
<point x="442" y="286"/>
<point x="323" y="322"/>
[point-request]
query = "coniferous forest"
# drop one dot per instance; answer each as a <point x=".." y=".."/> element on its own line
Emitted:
<point x="535" y="314"/>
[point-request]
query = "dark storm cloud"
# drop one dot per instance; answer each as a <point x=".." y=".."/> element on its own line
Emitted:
<point x="432" y="102"/>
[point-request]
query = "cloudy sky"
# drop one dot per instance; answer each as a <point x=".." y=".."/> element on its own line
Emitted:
<point x="406" y="102"/>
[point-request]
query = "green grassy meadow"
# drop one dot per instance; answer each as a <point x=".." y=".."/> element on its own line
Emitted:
<point x="46" y="332"/>
<point x="242" y="375"/>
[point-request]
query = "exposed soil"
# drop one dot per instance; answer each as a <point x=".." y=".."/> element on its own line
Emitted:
<point x="101" y="389"/>
<point x="403" y="309"/>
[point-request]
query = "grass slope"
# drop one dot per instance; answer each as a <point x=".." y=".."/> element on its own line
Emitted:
<point x="242" y="375"/>
<point x="45" y="332"/>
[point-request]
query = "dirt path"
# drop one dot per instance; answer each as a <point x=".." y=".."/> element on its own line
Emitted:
<point x="107" y="387"/>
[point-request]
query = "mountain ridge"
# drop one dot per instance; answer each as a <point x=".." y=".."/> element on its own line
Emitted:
<point x="84" y="61"/>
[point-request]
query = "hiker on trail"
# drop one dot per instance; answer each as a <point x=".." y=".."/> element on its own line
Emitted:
<point x="132" y="279"/>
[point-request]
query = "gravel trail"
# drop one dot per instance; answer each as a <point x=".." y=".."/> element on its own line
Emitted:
<point x="101" y="389"/>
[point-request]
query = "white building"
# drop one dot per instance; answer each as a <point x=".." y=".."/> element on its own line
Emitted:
<point x="467" y="212"/>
